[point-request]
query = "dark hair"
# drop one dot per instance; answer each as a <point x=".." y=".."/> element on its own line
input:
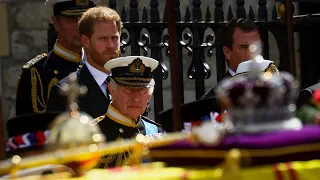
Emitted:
<point x="226" y="34"/>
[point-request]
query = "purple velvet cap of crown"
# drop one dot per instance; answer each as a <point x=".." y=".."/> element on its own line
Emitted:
<point x="255" y="149"/>
<point x="267" y="140"/>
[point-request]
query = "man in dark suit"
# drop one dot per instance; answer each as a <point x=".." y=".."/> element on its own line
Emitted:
<point x="42" y="72"/>
<point x="99" y="29"/>
<point x="240" y="41"/>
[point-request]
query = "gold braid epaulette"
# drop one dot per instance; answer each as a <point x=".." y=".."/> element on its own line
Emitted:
<point x="38" y="97"/>
<point x="35" y="96"/>
<point x="34" y="60"/>
<point x="53" y="82"/>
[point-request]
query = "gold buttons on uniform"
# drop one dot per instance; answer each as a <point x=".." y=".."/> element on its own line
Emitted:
<point x="56" y="72"/>
<point x="120" y="130"/>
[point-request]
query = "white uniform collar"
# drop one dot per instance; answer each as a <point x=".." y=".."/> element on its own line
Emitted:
<point x="116" y="116"/>
<point x="67" y="54"/>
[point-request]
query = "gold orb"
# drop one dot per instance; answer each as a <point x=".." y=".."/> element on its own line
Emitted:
<point x="73" y="130"/>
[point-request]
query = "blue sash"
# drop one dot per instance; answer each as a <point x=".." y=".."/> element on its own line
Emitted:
<point x="150" y="128"/>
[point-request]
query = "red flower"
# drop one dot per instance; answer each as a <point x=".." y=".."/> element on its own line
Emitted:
<point x="219" y="118"/>
<point x="316" y="96"/>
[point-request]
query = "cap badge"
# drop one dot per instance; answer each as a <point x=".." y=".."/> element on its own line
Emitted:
<point x="137" y="66"/>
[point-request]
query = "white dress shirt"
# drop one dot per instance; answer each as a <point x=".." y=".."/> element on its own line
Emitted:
<point x="99" y="76"/>
<point x="83" y="56"/>
<point x="231" y="72"/>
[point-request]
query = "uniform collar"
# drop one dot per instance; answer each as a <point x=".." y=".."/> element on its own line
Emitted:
<point x="67" y="54"/>
<point x="116" y="116"/>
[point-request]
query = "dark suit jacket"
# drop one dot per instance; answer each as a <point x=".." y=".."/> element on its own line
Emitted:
<point x="211" y="91"/>
<point x="306" y="94"/>
<point x="94" y="103"/>
<point x="192" y="111"/>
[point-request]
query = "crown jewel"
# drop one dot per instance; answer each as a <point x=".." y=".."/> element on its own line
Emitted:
<point x="259" y="98"/>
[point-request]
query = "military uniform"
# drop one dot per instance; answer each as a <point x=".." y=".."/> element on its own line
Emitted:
<point x="132" y="71"/>
<point x="40" y="74"/>
<point x="117" y="127"/>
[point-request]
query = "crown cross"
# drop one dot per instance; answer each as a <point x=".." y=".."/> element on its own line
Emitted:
<point x="73" y="90"/>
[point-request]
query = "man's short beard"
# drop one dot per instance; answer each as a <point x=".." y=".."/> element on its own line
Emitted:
<point x="118" y="55"/>
<point x="98" y="58"/>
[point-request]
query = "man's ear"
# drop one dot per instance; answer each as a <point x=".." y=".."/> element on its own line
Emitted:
<point x="112" y="91"/>
<point x="85" y="41"/>
<point x="226" y="52"/>
<point x="55" y="24"/>
<point x="149" y="98"/>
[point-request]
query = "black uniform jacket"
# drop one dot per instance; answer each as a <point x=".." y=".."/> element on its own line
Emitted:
<point x="39" y="75"/>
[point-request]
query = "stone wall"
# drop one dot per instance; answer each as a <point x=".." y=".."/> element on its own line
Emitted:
<point x="28" y="22"/>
